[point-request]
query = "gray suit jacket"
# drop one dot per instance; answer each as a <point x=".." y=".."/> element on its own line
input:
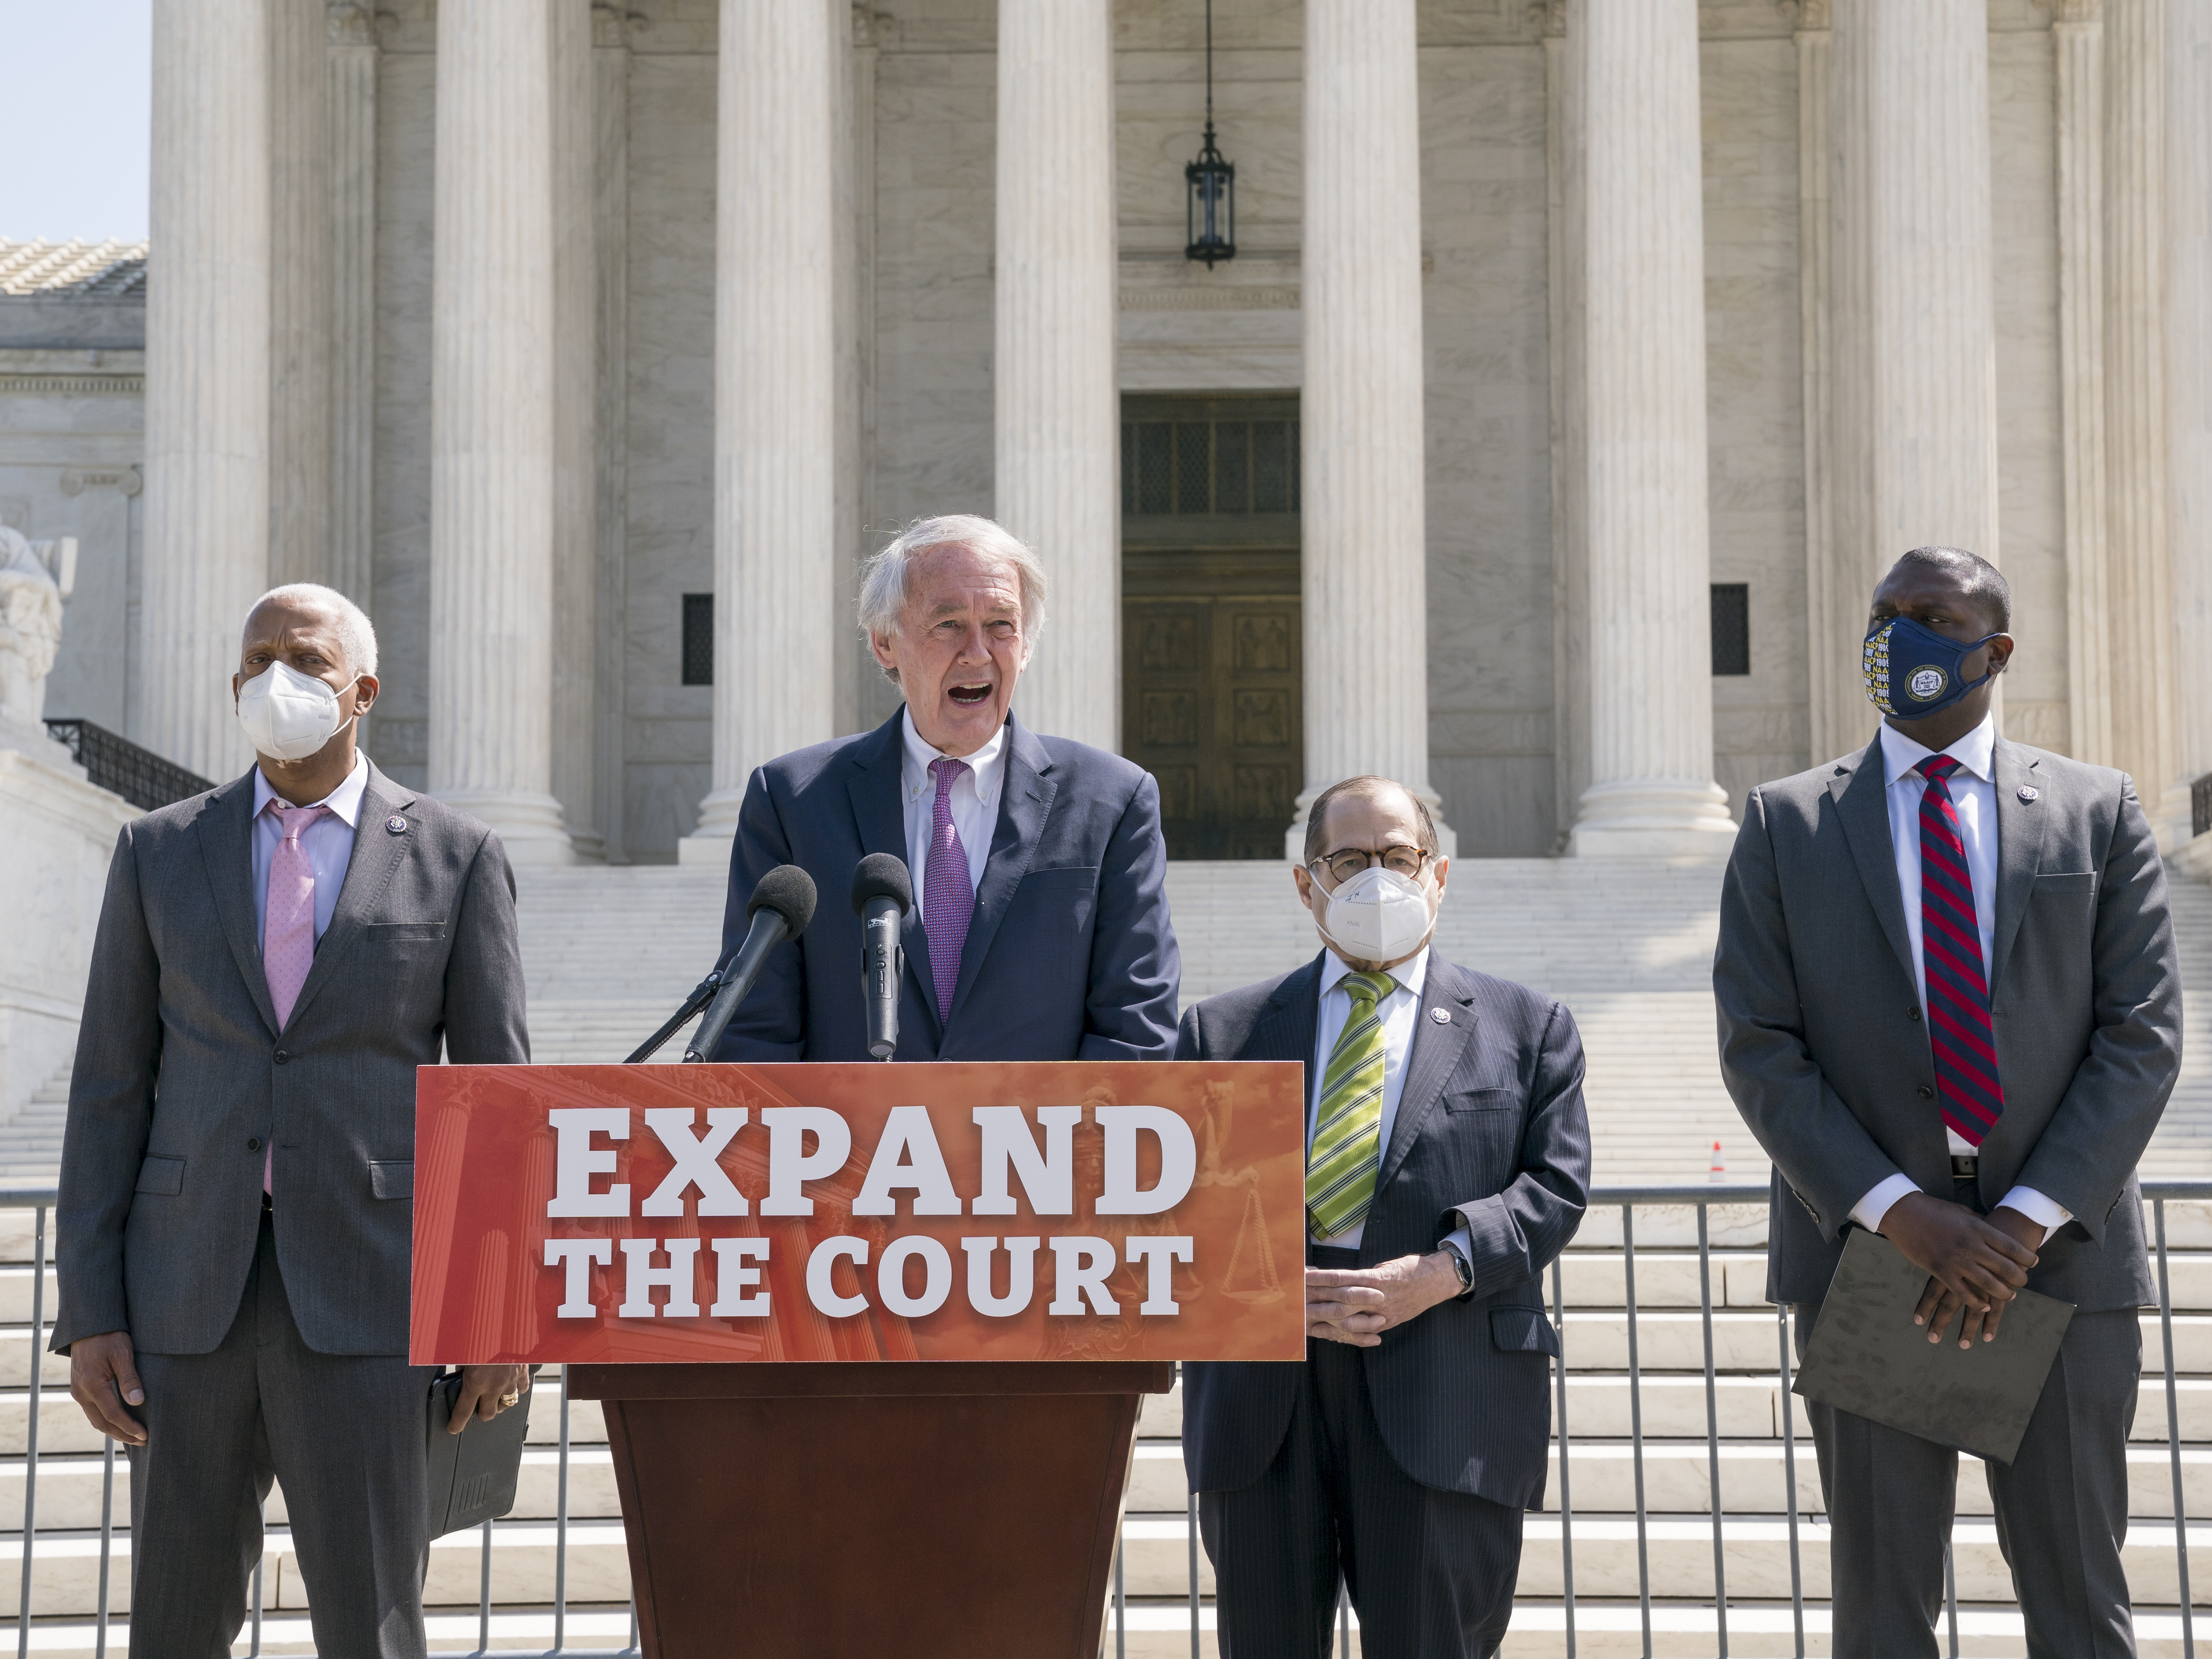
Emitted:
<point x="1825" y="1050"/>
<point x="182" y="1075"/>
<point x="1490" y="1132"/>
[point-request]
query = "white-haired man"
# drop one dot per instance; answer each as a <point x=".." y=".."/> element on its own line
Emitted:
<point x="281" y="953"/>
<point x="1040" y="929"/>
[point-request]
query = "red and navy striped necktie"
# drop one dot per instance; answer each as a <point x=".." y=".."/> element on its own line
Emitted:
<point x="1959" y="1029"/>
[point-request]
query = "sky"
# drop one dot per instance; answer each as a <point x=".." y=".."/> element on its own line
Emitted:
<point x="78" y="80"/>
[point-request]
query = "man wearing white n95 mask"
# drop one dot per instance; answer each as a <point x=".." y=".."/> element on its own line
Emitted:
<point x="1447" y="1164"/>
<point x="234" y="1246"/>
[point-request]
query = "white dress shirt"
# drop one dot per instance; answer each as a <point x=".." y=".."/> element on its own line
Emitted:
<point x="328" y="843"/>
<point x="1974" y="799"/>
<point x="1401" y="1012"/>
<point x="975" y="803"/>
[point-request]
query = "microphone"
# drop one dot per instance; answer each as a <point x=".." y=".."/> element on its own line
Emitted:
<point x="780" y="907"/>
<point x="882" y="893"/>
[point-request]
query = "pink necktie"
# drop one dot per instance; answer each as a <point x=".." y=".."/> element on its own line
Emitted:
<point x="948" y="891"/>
<point x="288" y="928"/>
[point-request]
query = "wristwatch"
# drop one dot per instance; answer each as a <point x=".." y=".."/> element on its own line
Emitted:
<point x="1465" y="1269"/>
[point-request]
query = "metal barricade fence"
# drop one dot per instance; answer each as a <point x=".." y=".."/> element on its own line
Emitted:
<point x="1623" y="1200"/>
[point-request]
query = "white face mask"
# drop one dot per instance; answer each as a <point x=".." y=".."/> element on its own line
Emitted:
<point x="287" y="715"/>
<point x="1378" y="915"/>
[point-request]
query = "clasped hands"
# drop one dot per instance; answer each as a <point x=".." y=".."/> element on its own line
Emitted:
<point x="1356" y="1305"/>
<point x="104" y="1382"/>
<point x="1975" y="1264"/>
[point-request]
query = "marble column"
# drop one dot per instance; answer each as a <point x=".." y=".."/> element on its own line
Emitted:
<point x="575" y="372"/>
<point x="353" y="77"/>
<point x="1058" y="408"/>
<point x="1563" y="252"/>
<point x="1651" y="793"/>
<point x="491" y="395"/>
<point x="776" y="607"/>
<point x="610" y="399"/>
<point x="1362" y="474"/>
<point x="1815" y="42"/>
<point x="1913" y="327"/>
<point x="2188" y="403"/>
<point x="300" y="309"/>
<point x="2141" y="605"/>
<point x="207" y="376"/>
<point x="2077" y="39"/>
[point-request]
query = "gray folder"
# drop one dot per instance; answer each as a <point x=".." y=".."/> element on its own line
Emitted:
<point x="1867" y="1356"/>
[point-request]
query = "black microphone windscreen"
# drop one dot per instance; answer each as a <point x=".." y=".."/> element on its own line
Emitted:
<point x="789" y="891"/>
<point x="882" y="876"/>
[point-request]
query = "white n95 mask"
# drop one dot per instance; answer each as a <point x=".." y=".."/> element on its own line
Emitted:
<point x="1378" y="915"/>
<point x="287" y="715"/>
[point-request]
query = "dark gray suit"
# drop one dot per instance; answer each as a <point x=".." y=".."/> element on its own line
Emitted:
<point x="274" y="1344"/>
<point x="1824" y="1051"/>
<point x="1406" y="1466"/>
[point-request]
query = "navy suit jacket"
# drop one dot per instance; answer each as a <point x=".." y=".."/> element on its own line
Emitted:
<point x="1070" y="955"/>
<point x="1491" y="1131"/>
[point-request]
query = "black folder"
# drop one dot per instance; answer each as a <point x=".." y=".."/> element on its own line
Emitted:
<point x="1867" y="1356"/>
<point x="473" y="1474"/>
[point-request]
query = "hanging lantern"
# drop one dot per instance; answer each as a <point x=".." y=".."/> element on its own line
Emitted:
<point x="1210" y="185"/>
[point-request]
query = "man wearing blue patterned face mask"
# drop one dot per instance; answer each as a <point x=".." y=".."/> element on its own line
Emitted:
<point x="1950" y="1011"/>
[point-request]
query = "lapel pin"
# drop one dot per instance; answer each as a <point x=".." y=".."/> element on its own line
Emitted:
<point x="1443" y="1016"/>
<point x="2027" y="792"/>
<point x="397" y="824"/>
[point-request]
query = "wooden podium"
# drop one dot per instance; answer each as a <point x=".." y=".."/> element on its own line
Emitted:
<point x="946" y="1511"/>
<point x="871" y="1340"/>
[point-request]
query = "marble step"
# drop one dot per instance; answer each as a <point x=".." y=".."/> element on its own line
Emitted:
<point x="65" y="1568"/>
<point x="64" y="1429"/>
<point x="1159" y="1628"/>
<point x="1680" y="1549"/>
<point x="69" y="1489"/>
<point x="1748" y="1342"/>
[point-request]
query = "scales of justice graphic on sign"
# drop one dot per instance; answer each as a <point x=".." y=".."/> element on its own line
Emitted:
<point x="859" y="1214"/>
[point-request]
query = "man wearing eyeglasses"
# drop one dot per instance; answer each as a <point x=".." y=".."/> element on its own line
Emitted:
<point x="1448" y="1163"/>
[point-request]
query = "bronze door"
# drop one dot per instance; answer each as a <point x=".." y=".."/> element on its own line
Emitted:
<point x="1212" y="709"/>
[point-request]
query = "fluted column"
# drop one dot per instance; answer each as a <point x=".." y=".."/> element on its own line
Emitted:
<point x="1652" y="792"/>
<point x="1364" y="518"/>
<point x="352" y="73"/>
<point x="299" y="292"/>
<point x="1912" y="322"/>
<point x="576" y="370"/>
<point x="777" y="610"/>
<point x="2077" y="39"/>
<point x="1058" y="482"/>
<point x="2188" y="403"/>
<point x="2141" y="611"/>
<point x="611" y="417"/>
<point x="1816" y="41"/>
<point x="492" y="444"/>
<point x="207" y="376"/>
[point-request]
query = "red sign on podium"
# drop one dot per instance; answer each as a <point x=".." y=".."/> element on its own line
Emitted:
<point x="605" y="1215"/>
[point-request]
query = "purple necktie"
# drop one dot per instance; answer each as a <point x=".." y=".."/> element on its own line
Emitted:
<point x="1960" y="1034"/>
<point x="948" y="891"/>
<point x="287" y="928"/>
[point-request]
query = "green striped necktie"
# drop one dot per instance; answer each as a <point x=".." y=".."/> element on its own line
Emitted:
<point x="1348" y="1143"/>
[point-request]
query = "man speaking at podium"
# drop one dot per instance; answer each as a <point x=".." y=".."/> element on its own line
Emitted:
<point x="1448" y="1163"/>
<point x="1041" y="929"/>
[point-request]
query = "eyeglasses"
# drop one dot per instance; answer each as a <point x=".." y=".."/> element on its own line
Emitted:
<point x="1348" y="862"/>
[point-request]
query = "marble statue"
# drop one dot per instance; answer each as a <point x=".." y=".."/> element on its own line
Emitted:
<point x="36" y="579"/>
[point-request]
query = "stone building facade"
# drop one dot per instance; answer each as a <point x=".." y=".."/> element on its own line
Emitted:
<point x="1580" y="365"/>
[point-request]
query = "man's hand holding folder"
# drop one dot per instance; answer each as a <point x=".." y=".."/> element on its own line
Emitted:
<point x="1976" y="1264"/>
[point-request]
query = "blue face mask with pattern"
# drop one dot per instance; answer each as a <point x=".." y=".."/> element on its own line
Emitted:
<point x="1913" y="672"/>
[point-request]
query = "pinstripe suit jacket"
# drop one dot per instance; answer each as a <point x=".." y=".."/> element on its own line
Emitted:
<point x="1490" y="1131"/>
<point x="183" y="1075"/>
<point x="1823" y="1046"/>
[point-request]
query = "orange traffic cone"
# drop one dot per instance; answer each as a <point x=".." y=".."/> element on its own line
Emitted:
<point x="1719" y="1171"/>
